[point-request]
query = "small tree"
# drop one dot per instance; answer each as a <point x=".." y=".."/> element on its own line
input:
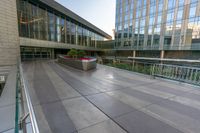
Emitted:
<point x="81" y="53"/>
<point x="72" y="53"/>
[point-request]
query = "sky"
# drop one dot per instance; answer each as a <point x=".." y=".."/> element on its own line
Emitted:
<point x="100" y="13"/>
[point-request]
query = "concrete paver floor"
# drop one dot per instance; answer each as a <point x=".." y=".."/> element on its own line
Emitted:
<point x="7" y="102"/>
<point x="109" y="100"/>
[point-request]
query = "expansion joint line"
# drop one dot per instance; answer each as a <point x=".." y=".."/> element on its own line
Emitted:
<point x="84" y="96"/>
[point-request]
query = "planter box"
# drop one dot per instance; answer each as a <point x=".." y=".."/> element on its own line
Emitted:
<point x="82" y="64"/>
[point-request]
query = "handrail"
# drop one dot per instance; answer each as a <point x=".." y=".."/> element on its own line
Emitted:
<point x="191" y="46"/>
<point x="17" y="100"/>
<point x="165" y="59"/>
<point x="29" y="103"/>
<point x="186" y="74"/>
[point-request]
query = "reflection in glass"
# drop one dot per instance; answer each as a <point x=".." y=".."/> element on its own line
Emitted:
<point x="152" y="25"/>
<point x="39" y="23"/>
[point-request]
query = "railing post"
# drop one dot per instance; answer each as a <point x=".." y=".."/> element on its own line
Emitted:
<point x="153" y="71"/>
<point x="23" y="123"/>
<point x="195" y="76"/>
<point x="188" y="73"/>
<point x="191" y="74"/>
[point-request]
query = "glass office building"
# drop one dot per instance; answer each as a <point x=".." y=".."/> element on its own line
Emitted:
<point x="47" y="20"/>
<point x="158" y="24"/>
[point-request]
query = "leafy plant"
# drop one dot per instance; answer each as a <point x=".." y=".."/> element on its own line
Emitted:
<point x="139" y="68"/>
<point x="81" y="53"/>
<point x="73" y="53"/>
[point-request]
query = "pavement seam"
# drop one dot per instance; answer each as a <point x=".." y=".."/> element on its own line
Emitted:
<point x="100" y="91"/>
<point x="139" y="85"/>
<point x="7" y="130"/>
<point x="55" y="101"/>
<point x="93" y="124"/>
<point x="137" y="109"/>
<point x="58" y="100"/>
<point x="94" y="104"/>
<point x="153" y="82"/>
<point x="145" y="107"/>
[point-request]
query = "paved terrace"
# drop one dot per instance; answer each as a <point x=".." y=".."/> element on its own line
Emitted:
<point x="109" y="100"/>
<point x="7" y="101"/>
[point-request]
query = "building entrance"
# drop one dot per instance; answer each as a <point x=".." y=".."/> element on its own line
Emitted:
<point x="29" y="53"/>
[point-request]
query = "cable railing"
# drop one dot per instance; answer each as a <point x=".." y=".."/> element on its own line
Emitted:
<point x="186" y="74"/>
<point x="22" y="96"/>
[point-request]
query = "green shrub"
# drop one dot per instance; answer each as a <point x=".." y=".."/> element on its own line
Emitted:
<point x="76" y="53"/>
<point x="73" y="53"/>
<point x="146" y="69"/>
<point x="81" y="53"/>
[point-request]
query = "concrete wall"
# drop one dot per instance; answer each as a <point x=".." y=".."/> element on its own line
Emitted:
<point x="9" y="38"/>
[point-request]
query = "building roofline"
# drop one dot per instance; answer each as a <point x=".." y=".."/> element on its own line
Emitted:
<point x="60" y="8"/>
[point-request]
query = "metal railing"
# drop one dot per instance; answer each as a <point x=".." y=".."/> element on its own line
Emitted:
<point x="22" y="95"/>
<point x="17" y="102"/>
<point x="193" y="46"/>
<point x="180" y="73"/>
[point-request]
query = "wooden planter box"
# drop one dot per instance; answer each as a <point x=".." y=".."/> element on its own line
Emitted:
<point x="78" y="63"/>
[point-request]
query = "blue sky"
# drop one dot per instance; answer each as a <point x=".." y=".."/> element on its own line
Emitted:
<point x="101" y="13"/>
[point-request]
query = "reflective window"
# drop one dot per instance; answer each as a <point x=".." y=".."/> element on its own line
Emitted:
<point x="73" y="33"/>
<point x="39" y="23"/>
<point x="192" y="10"/>
<point x="68" y="27"/>
<point x="58" y="29"/>
<point x="51" y="27"/>
<point x="80" y="33"/>
<point x="34" y="28"/>
<point x="42" y="24"/>
<point x="63" y="30"/>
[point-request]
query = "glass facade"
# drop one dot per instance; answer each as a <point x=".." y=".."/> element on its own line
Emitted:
<point x="38" y="22"/>
<point x="157" y="23"/>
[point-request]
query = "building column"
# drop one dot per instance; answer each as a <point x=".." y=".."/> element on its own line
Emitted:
<point x="134" y="55"/>
<point x="52" y="54"/>
<point x="9" y="41"/>
<point x="162" y="56"/>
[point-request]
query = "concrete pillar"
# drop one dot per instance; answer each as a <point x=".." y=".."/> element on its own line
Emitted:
<point x="133" y="62"/>
<point x="162" y="54"/>
<point x="52" y="54"/>
<point x="9" y="36"/>
<point x="134" y="53"/>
